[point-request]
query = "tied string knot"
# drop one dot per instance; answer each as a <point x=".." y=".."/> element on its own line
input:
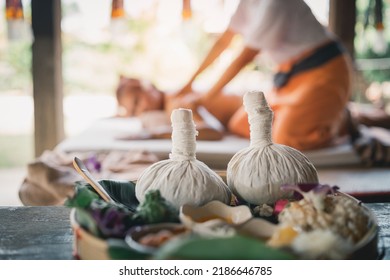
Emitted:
<point x="259" y="117"/>
<point x="183" y="141"/>
<point x="260" y="128"/>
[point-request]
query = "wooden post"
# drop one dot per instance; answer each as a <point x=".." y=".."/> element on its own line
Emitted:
<point x="342" y="19"/>
<point x="47" y="74"/>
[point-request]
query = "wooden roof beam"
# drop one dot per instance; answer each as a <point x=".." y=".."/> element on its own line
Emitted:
<point x="342" y="19"/>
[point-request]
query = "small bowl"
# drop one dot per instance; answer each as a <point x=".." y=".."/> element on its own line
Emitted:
<point x="215" y="209"/>
<point x="139" y="236"/>
<point x="86" y="246"/>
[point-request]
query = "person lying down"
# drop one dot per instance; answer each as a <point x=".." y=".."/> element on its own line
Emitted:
<point x="141" y="99"/>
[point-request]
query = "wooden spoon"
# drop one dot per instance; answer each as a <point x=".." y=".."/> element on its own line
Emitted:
<point x="82" y="169"/>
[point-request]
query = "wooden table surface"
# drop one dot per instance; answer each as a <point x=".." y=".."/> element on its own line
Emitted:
<point x="33" y="233"/>
<point x="44" y="232"/>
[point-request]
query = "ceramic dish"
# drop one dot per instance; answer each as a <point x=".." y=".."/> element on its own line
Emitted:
<point x="86" y="246"/>
<point x="367" y="247"/>
<point x="192" y="215"/>
<point x="218" y="219"/>
<point x="257" y="228"/>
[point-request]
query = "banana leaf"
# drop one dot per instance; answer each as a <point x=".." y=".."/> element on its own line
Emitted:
<point x="231" y="248"/>
<point x="122" y="192"/>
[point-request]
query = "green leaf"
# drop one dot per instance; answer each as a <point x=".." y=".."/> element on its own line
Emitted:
<point x="155" y="209"/>
<point x="119" y="250"/>
<point x="83" y="196"/>
<point x="122" y="192"/>
<point x="231" y="248"/>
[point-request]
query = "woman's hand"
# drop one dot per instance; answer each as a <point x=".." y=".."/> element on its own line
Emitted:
<point x="189" y="101"/>
<point x="187" y="89"/>
<point x="192" y="100"/>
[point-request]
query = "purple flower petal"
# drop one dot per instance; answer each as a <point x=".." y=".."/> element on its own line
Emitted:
<point x="313" y="193"/>
<point x="93" y="164"/>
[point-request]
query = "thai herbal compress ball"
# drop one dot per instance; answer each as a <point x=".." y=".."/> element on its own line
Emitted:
<point x="182" y="179"/>
<point x="255" y="173"/>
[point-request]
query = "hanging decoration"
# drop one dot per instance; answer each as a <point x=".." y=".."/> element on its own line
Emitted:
<point x="380" y="45"/>
<point x="374" y="12"/>
<point x="117" y="9"/>
<point x="15" y="19"/>
<point x="118" y="23"/>
<point x="14" y="9"/>
<point x="378" y="15"/>
<point x="186" y="13"/>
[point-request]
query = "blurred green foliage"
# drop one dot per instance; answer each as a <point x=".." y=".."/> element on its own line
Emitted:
<point x="365" y="36"/>
<point x="375" y="75"/>
<point x="15" y="150"/>
<point x="15" y="65"/>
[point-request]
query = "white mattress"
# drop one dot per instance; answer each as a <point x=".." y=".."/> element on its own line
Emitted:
<point x="104" y="135"/>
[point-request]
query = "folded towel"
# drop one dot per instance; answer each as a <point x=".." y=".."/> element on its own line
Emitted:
<point x="51" y="177"/>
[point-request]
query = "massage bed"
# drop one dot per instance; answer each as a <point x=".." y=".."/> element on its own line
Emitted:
<point x="113" y="134"/>
<point x="339" y="165"/>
